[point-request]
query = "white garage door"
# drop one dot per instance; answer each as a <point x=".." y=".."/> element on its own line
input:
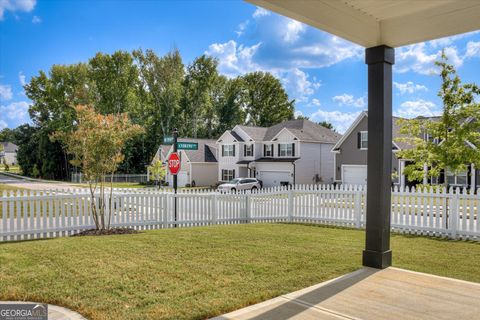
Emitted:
<point x="182" y="179"/>
<point x="356" y="175"/>
<point x="273" y="178"/>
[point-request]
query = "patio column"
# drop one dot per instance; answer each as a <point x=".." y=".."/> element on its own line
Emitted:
<point x="377" y="253"/>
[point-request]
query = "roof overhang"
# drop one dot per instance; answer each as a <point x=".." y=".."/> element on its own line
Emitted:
<point x="382" y="22"/>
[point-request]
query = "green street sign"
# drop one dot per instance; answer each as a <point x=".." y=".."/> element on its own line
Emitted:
<point x="168" y="140"/>
<point x="187" y="146"/>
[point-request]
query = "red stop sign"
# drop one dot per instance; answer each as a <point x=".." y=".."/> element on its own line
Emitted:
<point x="174" y="163"/>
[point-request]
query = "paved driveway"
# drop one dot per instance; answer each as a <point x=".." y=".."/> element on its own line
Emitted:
<point x="33" y="185"/>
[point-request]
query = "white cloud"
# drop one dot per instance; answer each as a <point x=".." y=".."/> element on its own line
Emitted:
<point x="293" y="30"/>
<point x="315" y="102"/>
<point x="242" y="27"/>
<point x="349" y="100"/>
<point x="260" y="12"/>
<point x="419" y="58"/>
<point x="326" y="52"/>
<point x="473" y="49"/>
<point x="443" y="42"/>
<point x="412" y="109"/>
<point x="15" y="111"/>
<point x="297" y="84"/>
<point x="3" y="124"/>
<point x="21" y="78"/>
<point x="298" y="113"/>
<point x="409" y="87"/>
<point x="36" y="20"/>
<point x="341" y="121"/>
<point x="16" y="5"/>
<point x="233" y="59"/>
<point x="5" y="92"/>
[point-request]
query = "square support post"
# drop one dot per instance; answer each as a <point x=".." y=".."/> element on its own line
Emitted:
<point x="377" y="253"/>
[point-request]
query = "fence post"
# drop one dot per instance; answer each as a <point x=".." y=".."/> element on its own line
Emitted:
<point x="290" y="204"/>
<point x="247" y="208"/>
<point x="214" y="209"/>
<point x="452" y="227"/>
<point x="357" y="208"/>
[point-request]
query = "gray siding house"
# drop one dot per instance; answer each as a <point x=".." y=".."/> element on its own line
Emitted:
<point x="351" y="159"/>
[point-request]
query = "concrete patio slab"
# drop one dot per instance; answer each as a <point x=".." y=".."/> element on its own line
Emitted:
<point x="369" y="293"/>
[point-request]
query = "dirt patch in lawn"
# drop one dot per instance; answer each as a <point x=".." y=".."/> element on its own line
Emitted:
<point x="95" y="232"/>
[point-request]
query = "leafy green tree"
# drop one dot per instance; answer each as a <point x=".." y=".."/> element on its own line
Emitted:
<point x="27" y="154"/>
<point x="326" y="124"/>
<point x="7" y="134"/>
<point x="445" y="144"/>
<point x="116" y="81"/>
<point x="200" y="116"/>
<point x="162" y="79"/>
<point x="266" y="102"/>
<point x="228" y="97"/>
<point x="53" y="96"/>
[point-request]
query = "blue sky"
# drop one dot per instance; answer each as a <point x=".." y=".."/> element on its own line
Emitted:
<point x="325" y="74"/>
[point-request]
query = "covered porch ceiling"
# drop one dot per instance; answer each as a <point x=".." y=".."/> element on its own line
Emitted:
<point x="371" y="23"/>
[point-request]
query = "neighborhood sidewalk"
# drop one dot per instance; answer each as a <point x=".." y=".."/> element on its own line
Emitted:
<point x="369" y="293"/>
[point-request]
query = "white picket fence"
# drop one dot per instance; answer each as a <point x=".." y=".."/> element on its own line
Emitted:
<point x="44" y="214"/>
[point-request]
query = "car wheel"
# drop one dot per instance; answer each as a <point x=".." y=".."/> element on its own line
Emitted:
<point x="233" y="190"/>
<point x="254" y="189"/>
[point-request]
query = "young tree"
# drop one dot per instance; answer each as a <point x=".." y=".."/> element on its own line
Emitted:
<point x="96" y="144"/>
<point x="158" y="171"/>
<point x="444" y="144"/>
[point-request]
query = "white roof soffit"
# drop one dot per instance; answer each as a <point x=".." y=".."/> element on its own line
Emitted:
<point x="382" y="22"/>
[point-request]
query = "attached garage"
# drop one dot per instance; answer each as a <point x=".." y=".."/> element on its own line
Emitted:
<point x="182" y="179"/>
<point x="274" y="178"/>
<point x="354" y="174"/>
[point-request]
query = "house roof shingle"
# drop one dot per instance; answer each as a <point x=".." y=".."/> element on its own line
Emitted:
<point x="304" y="130"/>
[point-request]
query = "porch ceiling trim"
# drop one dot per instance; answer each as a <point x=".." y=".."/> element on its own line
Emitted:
<point x="382" y="22"/>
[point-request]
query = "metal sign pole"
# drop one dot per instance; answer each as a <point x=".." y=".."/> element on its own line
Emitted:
<point x="175" y="136"/>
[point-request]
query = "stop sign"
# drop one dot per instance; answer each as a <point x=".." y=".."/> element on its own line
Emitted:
<point x="174" y="163"/>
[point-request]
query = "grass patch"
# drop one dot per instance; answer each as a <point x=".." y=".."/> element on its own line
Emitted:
<point x="196" y="273"/>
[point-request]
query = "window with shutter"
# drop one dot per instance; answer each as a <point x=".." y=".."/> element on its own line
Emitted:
<point x="363" y="145"/>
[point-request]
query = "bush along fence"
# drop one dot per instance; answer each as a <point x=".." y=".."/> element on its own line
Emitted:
<point x="44" y="214"/>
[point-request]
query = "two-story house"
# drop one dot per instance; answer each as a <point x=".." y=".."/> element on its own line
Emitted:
<point x="351" y="159"/>
<point x="291" y="152"/>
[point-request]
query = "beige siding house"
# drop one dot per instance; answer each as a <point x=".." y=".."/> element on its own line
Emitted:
<point x="198" y="167"/>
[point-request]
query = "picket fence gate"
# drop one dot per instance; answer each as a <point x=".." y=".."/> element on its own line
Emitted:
<point x="28" y="214"/>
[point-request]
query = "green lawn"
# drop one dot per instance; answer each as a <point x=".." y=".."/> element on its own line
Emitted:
<point x="196" y="273"/>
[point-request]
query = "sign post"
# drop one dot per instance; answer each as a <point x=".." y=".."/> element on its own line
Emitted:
<point x="174" y="167"/>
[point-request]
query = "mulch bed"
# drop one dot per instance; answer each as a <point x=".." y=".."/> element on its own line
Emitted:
<point x="95" y="232"/>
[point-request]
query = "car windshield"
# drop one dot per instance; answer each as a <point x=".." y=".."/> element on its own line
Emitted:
<point x="234" y="181"/>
